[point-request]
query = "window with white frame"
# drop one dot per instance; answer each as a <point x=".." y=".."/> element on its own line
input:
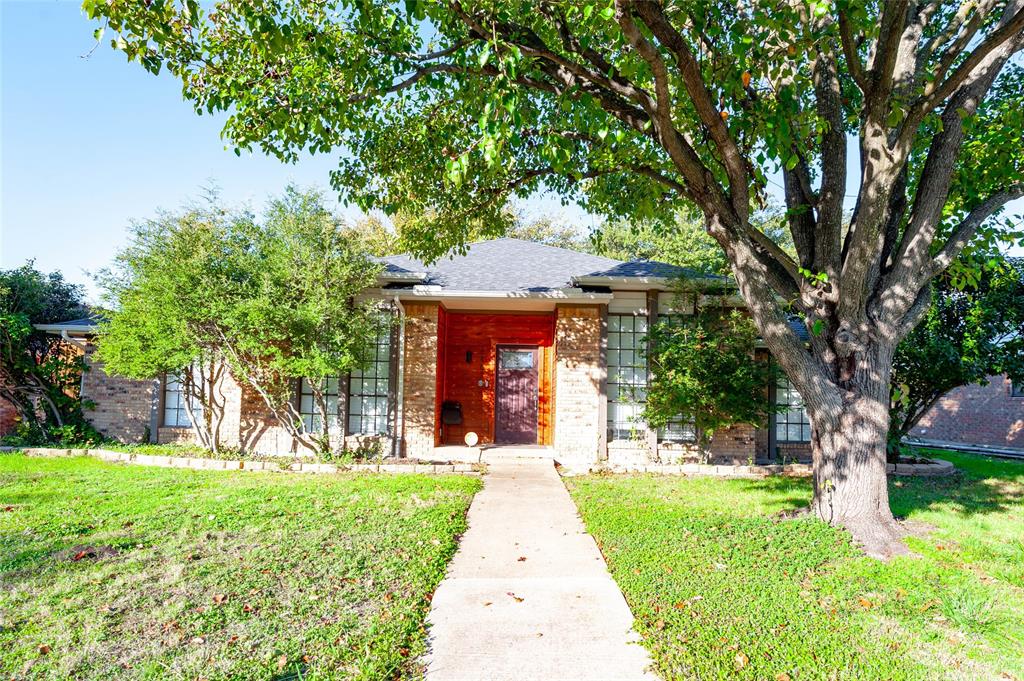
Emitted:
<point x="627" y="374"/>
<point x="791" y="423"/>
<point x="368" y="388"/>
<point x="175" y="409"/>
<point x="312" y="419"/>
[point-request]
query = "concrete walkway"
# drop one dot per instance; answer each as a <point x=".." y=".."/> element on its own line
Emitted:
<point x="528" y="595"/>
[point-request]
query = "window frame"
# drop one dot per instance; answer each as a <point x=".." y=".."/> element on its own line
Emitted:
<point x="307" y="408"/>
<point x="181" y="417"/>
<point x="379" y="374"/>
<point x="616" y="382"/>
<point x="785" y="419"/>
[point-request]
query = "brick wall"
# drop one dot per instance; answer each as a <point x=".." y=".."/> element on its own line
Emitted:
<point x="578" y="375"/>
<point x="8" y="417"/>
<point x="419" y="401"/>
<point x="122" y="406"/>
<point x="977" y="415"/>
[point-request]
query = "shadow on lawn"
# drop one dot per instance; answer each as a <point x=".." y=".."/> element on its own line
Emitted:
<point x="982" y="486"/>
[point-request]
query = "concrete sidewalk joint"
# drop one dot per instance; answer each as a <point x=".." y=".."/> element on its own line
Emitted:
<point x="528" y="595"/>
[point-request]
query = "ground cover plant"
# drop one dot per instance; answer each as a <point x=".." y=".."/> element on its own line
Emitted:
<point x="722" y="587"/>
<point x="110" y="571"/>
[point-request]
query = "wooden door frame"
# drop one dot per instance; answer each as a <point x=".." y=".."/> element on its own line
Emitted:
<point x="537" y="358"/>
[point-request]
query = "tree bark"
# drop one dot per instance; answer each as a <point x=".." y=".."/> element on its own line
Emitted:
<point x="848" y="445"/>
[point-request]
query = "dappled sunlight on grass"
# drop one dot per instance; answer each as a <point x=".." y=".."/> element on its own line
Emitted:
<point x="721" y="586"/>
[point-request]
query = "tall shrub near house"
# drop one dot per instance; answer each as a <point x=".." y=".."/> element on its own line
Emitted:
<point x="704" y="374"/>
<point x="270" y="299"/>
<point x="445" y="110"/>
<point x="40" y="373"/>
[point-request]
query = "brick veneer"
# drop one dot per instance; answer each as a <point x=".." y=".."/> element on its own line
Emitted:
<point x="419" y="401"/>
<point x="977" y="415"/>
<point x="8" y="417"/>
<point x="123" y="407"/>
<point x="578" y="376"/>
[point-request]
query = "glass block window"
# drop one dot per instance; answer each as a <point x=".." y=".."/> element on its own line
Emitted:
<point x="792" y="424"/>
<point x="627" y="374"/>
<point x="175" y="413"/>
<point x="312" y="420"/>
<point x="368" y="388"/>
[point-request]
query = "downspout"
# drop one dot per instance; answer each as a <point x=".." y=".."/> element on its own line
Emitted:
<point x="396" y="441"/>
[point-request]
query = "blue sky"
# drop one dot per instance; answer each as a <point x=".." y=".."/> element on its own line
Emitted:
<point x="90" y="144"/>
<point x="87" y="145"/>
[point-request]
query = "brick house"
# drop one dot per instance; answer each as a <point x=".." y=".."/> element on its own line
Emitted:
<point x="513" y="344"/>
<point x="989" y="415"/>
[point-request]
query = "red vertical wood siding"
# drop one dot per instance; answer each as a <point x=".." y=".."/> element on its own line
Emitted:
<point x="479" y="333"/>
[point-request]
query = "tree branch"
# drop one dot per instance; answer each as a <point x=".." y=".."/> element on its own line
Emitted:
<point x="965" y="231"/>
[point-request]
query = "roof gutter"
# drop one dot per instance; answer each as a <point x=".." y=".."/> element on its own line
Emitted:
<point x="62" y="329"/>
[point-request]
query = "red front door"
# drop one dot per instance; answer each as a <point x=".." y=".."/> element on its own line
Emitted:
<point x="515" y="400"/>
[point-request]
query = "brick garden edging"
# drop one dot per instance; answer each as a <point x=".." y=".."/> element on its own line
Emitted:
<point x="242" y="465"/>
<point x="937" y="468"/>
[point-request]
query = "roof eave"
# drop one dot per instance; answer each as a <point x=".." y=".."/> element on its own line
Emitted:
<point x="71" y="329"/>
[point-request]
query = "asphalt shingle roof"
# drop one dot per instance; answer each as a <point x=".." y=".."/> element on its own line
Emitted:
<point x="505" y="265"/>
<point x="652" y="268"/>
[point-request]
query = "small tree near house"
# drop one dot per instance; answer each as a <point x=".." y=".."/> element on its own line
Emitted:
<point x="704" y="373"/>
<point x="208" y="292"/>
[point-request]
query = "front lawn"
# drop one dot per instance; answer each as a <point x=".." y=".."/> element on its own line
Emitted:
<point x="722" y="588"/>
<point x="110" y="571"/>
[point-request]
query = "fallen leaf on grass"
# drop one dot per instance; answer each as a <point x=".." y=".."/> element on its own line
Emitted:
<point x="517" y="599"/>
<point x="741" y="660"/>
<point x="233" y="640"/>
<point x="865" y="603"/>
<point x="281" y="662"/>
<point x="198" y="640"/>
<point x="659" y="625"/>
<point x="44" y="649"/>
<point x="8" y="508"/>
<point x="220" y="598"/>
<point x="782" y="676"/>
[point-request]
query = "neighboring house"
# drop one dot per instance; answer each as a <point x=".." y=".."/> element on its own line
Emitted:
<point x="514" y="342"/>
<point x="987" y="415"/>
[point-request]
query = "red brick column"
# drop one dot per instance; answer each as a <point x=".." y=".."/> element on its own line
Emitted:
<point x="578" y="375"/>
<point x="419" y="399"/>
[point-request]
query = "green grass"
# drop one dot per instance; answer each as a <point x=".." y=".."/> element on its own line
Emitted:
<point x="723" y="588"/>
<point x="111" y="571"/>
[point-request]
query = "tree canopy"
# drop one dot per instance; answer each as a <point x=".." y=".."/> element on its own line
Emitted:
<point x="270" y="298"/>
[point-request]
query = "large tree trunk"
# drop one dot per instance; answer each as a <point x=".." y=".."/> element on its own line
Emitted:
<point x="848" y="444"/>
